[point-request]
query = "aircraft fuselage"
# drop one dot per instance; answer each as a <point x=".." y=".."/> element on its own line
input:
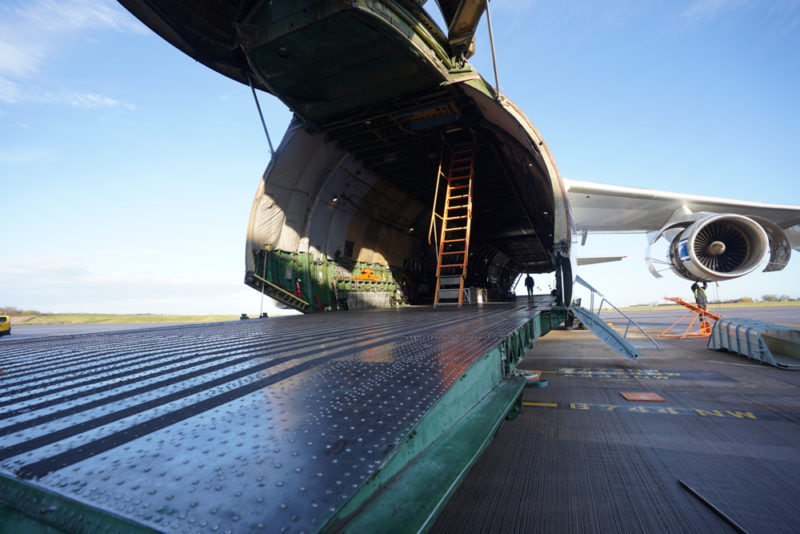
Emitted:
<point x="380" y="102"/>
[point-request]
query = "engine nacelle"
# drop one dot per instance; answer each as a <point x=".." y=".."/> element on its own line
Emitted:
<point x="719" y="247"/>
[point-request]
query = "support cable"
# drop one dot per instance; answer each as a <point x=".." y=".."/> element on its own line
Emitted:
<point x="264" y="124"/>
<point x="494" y="59"/>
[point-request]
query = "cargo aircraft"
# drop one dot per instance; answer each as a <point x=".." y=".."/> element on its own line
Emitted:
<point x="405" y="176"/>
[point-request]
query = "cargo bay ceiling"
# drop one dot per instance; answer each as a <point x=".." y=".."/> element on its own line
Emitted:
<point x="379" y="93"/>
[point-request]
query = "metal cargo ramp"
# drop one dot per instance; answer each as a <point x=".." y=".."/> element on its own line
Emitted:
<point x="288" y="425"/>
<point x="769" y="343"/>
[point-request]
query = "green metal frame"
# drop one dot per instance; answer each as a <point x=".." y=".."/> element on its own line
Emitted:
<point x="322" y="281"/>
<point x="27" y="508"/>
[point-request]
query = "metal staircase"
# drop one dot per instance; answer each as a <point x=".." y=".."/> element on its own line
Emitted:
<point x="602" y="329"/>
<point x="455" y="220"/>
<point x="281" y="294"/>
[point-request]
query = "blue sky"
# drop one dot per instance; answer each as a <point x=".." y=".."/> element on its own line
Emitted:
<point x="127" y="169"/>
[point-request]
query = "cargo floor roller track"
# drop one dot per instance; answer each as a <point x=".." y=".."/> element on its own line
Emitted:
<point x="294" y="424"/>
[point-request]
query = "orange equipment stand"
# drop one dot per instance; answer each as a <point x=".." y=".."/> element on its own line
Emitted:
<point x="694" y="314"/>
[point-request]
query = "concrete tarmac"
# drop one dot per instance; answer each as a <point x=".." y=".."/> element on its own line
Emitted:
<point x="47" y="330"/>
<point x="719" y="453"/>
<point x="783" y="315"/>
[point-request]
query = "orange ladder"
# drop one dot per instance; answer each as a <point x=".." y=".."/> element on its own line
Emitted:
<point x="456" y="222"/>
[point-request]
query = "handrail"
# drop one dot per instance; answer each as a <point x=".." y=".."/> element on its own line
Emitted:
<point x="281" y="290"/>
<point x="581" y="281"/>
<point x="432" y="226"/>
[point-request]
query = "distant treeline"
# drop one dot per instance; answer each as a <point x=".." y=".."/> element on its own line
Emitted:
<point x="764" y="298"/>
<point x="12" y="310"/>
<point x="740" y="300"/>
<point x="772" y="298"/>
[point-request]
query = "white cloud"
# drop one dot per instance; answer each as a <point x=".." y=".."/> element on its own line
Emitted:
<point x="33" y="33"/>
<point x="784" y="17"/>
<point x="781" y="17"/>
<point x="18" y="59"/>
<point x="77" y="15"/>
<point x="704" y="9"/>
<point x="91" y="100"/>
<point x="83" y="283"/>
<point x="10" y="92"/>
<point x="24" y="156"/>
<point x="16" y="93"/>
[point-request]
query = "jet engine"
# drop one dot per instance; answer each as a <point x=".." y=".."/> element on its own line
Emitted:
<point x="718" y="247"/>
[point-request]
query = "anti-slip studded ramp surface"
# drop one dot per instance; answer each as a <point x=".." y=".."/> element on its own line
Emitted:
<point x="231" y="427"/>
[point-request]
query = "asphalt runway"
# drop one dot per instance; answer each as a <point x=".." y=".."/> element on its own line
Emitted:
<point x="716" y="449"/>
<point x="783" y="315"/>
<point x="38" y="331"/>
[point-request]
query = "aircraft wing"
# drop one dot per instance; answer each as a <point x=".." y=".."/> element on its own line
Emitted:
<point x="611" y="208"/>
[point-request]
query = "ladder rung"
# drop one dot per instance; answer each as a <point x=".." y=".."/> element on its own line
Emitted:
<point x="458" y="200"/>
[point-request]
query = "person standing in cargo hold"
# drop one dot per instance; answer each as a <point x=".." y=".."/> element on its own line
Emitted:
<point x="700" y="295"/>
<point x="529" y="285"/>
